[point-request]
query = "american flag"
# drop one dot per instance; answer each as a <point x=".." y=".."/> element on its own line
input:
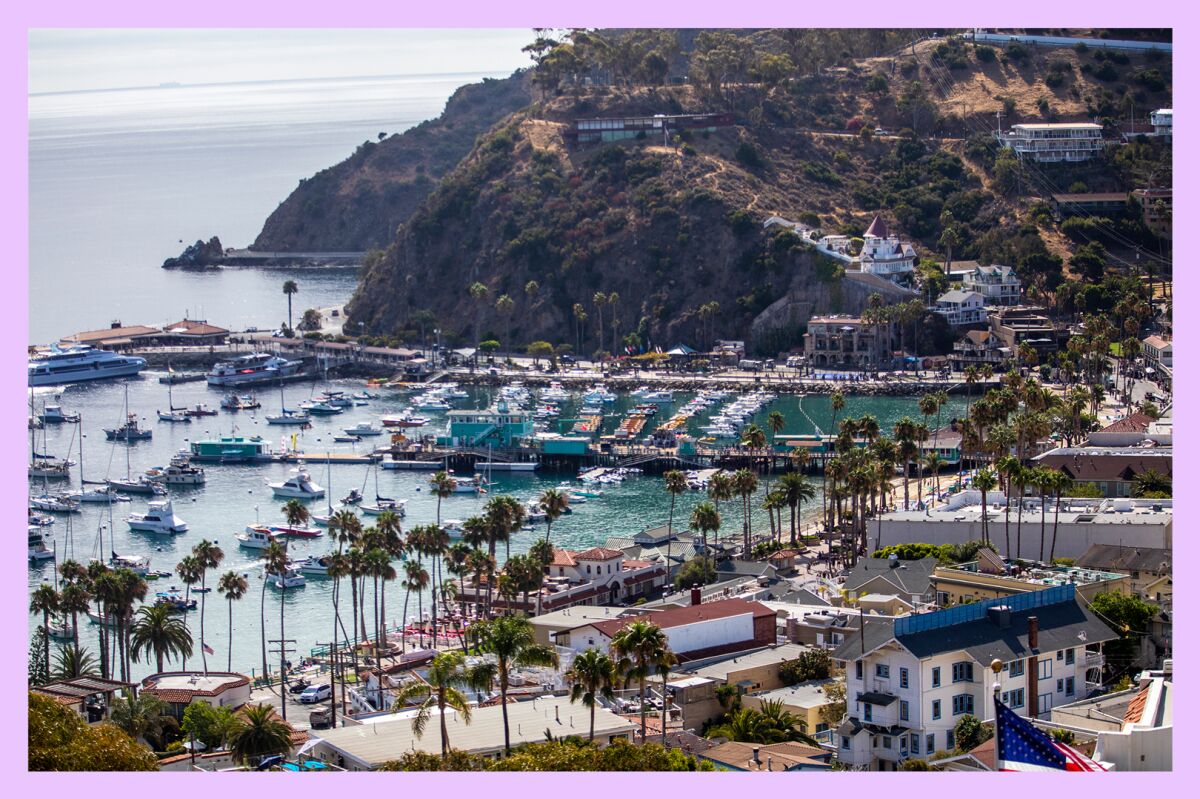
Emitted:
<point x="208" y="649"/>
<point x="1020" y="746"/>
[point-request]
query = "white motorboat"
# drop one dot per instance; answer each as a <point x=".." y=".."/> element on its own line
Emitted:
<point x="534" y="511"/>
<point x="79" y="363"/>
<point x="496" y="466"/>
<point x="159" y="518"/>
<point x="259" y="536"/>
<point x="54" y="503"/>
<point x="173" y="416"/>
<point x="659" y="397"/>
<point x="100" y="494"/>
<point x="346" y="439"/>
<point x="138" y="564"/>
<point x="464" y="485"/>
<point x="38" y="551"/>
<point x="320" y="408"/>
<point x="315" y="565"/>
<point x="39" y="520"/>
<point x="291" y="578"/>
<point x="406" y="419"/>
<point x="384" y="504"/>
<point x="259" y="367"/>
<point x="53" y="414"/>
<point x="453" y="528"/>
<point x="363" y="429"/>
<point x="299" y="487"/>
<point x="180" y="472"/>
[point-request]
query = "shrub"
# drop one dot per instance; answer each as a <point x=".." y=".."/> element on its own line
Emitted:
<point x="985" y="54"/>
<point x="813" y="664"/>
<point x="741" y="222"/>
<point x="748" y="155"/>
<point x="969" y="733"/>
<point x="1107" y="72"/>
<point x="1152" y="79"/>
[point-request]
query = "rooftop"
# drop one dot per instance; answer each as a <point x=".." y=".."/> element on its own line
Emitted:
<point x="1133" y="423"/>
<point x="172" y="684"/>
<point x="1036" y="574"/>
<point x="963" y="508"/>
<point x="771" y="757"/>
<point x="806" y="694"/>
<point x="691" y="614"/>
<point x="719" y="668"/>
<point x="911" y="576"/>
<point x="1120" y="558"/>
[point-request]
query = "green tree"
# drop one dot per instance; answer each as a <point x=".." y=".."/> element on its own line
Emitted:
<point x="73" y="661"/>
<point x="1128" y="616"/>
<point x="310" y="321"/>
<point x="538" y="350"/>
<point x="210" y="725"/>
<point x="969" y="733"/>
<point x="61" y="740"/>
<point x="44" y="600"/>
<point x="290" y="288"/>
<point x="142" y="716"/>
<point x="259" y="735"/>
<point x="441" y="689"/>
<point x="160" y="633"/>
<point x="511" y="640"/>
<point x="233" y="587"/>
<point x="813" y="664"/>
<point x="697" y="571"/>
<point x="637" y="648"/>
<point x="592" y="676"/>
<point x="705" y="519"/>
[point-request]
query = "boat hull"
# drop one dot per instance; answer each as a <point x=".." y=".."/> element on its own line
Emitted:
<point x="86" y="374"/>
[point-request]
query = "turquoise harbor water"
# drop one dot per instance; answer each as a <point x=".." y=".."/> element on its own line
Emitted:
<point x="237" y="495"/>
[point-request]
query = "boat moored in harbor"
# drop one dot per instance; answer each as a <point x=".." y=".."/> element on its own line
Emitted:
<point x="159" y="518"/>
<point x="81" y="363"/>
<point x="258" y="367"/>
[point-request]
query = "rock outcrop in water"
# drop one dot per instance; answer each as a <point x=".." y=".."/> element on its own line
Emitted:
<point x="201" y="255"/>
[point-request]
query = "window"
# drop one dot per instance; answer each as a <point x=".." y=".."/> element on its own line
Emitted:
<point x="964" y="672"/>
<point x="914" y="743"/>
<point x="903" y="678"/>
<point x="882" y="671"/>
<point x="903" y="710"/>
<point x="930" y="744"/>
<point x="1016" y="668"/>
<point x="950" y="740"/>
<point x="1045" y="702"/>
<point x="1014" y="699"/>
<point x="1045" y="669"/>
<point x="867" y="712"/>
<point x="1058" y="655"/>
<point x="937" y="709"/>
<point x="1070" y="659"/>
<point x="937" y="676"/>
<point x="822" y="727"/>
<point x="845" y="742"/>
<point x="1059" y="687"/>
<point x="964" y="703"/>
<point x="858" y="669"/>
<point x="887" y="742"/>
<point x="1070" y="687"/>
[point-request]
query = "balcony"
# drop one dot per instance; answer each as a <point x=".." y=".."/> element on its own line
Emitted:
<point x="1093" y="660"/>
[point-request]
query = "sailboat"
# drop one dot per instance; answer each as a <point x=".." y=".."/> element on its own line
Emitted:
<point x="383" y="504"/>
<point x="287" y="416"/>
<point x="323" y="521"/>
<point x="135" y="485"/>
<point x="46" y="501"/>
<point x="129" y="431"/>
<point x="174" y="414"/>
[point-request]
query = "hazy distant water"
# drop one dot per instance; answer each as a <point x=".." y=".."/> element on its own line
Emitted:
<point x="120" y="180"/>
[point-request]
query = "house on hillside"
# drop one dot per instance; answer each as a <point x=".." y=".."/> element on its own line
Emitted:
<point x="1056" y="141"/>
<point x="999" y="285"/>
<point x="961" y="307"/>
<point x="884" y="254"/>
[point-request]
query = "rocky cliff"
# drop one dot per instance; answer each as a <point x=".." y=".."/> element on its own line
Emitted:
<point x="358" y="204"/>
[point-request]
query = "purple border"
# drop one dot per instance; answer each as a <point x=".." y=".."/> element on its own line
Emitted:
<point x="478" y="13"/>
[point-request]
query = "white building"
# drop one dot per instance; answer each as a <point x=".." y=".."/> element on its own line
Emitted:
<point x="1057" y="141"/>
<point x="1157" y="351"/>
<point x="910" y="680"/>
<point x="884" y="254"/>
<point x="960" y="307"/>
<point x="1080" y="524"/>
<point x="1161" y="120"/>
<point x="999" y="285"/>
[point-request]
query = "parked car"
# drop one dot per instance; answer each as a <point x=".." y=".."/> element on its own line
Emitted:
<point x="316" y="693"/>
<point x="881" y="132"/>
<point x="299" y="686"/>
<point x="252" y="329"/>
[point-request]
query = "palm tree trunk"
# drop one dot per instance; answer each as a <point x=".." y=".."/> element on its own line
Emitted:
<point x="592" y="720"/>
<point x="229" y="662"/>
<point x="504" y="703"/>
<point x="1042" y="543"/>
<point x="404" y="620"/>
<point x="262" y="622"/>
<point x="445" y="730"/>
<point x="203" y="654"/>
<point x="46" y="640"/>
<point x="1054" y="537"/>
<point x="642" y="702"/>
<point x="282" y="645"/>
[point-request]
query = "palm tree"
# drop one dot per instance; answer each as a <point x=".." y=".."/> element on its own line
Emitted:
<point x="580" y="315"/>
<point x="637" y="647"/>
<point x="139" y="716"/>
<point x="441" y="688"/>
<point x="554" y="504"/>
<point x="541" y="553"/>
<point x="753" y="437"/>
<point x="511" y="640"/>
<point x="600" y="299"/>
<point x="933" y="462"/>
<point x="706" y="519"/>
<point x="985" y="481"/>
<point x="290" y="288"/>
<point x="1043" y="481"/>
<point x="478" y="293"/>
<point x="189" y="570"/>
<point x="276" y="558"/>
<point x="745" y="483"/>
<point x="592" y="675"/>
<point x="504" y="306"/>
<point x="1009" y="468"/>
<point x="74" y="661"/>
<point x="261" y="734"/>
<point x="209" y="556"/>
<point x="160" y="633"/>
<point x="45" y="600"/>
<point x="416" y="578"/>
<point x="905" y="433"/>
<point x="74" y="599"/>
<point x="720" y="488"/>
<point x="1058" y="482"/>
<point x="233" y="586"/>
<point x="795" y="490"/>
<point x="837" y="403"/>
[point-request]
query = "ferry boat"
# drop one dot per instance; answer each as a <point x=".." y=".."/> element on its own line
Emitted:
<point x="231" y="449"/>
<point x="299" y="487"/>
<point x="159" y="518"/>
<point x="80" y="363"/>
<point x="258" y="367"/>
<point x="128" y="431"/>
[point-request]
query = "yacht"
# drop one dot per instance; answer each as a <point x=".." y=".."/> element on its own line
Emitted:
<point x="406" y="419"/>
<point x="138" y="564"/>
<point x="383" y="504"/>
<point x="50" y="468"/>
<point x="534" y="511"/>
<point x="159" y="518"/>
<point x="174" y="600"/>
<point x="39" y="519"/>
<point x="180" y="472"/>
<point x="258" y="367"/>
<point x="296" y="532"/>
<point x="141" y="485"/>
<point x="353" y="498"/>
<point x="363" y="429"/>
<point x="200" y="410"/>
<point x="79" y="363"/>
<point x="319" y="408"/>
<point x="128" y="431"/>
<point x="289" y="417"/>
<point x="258" y="536"/>
<point x="53" y="414"/>
<point x="315" y="565"/>
<point x="336" y="398"/>
<point x="465" y="485"/>
<point x="37" y="546"/>
<point x="246" y="402"/>
<point x="659" y="396"/>
<point x="291" y="578"/>
<point x="54" y="503"/>
<point x="104" y="494"/>
<point x="299" y="487"/>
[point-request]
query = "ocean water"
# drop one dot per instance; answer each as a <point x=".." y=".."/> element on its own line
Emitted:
<point x="236" y="495"/>
<point x="122" y="179"/>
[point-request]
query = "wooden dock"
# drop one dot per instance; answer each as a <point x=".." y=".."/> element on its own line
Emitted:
<point x="331" y="457"/>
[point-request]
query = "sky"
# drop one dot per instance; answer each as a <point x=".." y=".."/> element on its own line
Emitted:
<point x="63" y="60"/>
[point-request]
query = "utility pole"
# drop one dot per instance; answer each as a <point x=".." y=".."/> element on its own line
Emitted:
<point x="333" y="670"/>
<point x="283" y="651"/>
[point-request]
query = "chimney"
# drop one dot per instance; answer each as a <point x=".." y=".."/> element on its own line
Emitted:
<point x="1033" y="631"/>
<point x="695" y="594"/>
<point x="757" y="762"/>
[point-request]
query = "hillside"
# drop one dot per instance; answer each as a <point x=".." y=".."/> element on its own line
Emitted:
<point x="359" y="203"/>
<point x="673" y="230"/>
